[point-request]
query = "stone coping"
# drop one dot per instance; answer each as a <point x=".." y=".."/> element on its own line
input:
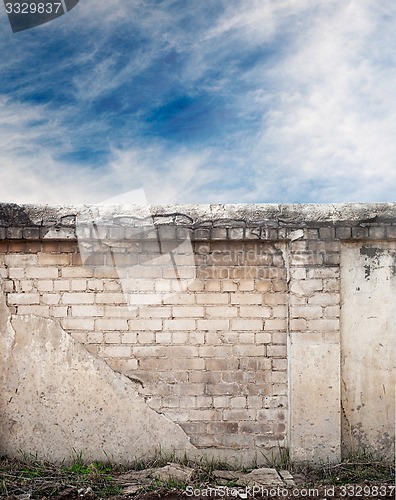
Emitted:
<point x="200" y="222"/>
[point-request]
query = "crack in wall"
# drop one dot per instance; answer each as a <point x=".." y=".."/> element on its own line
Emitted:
<point x="147" y="371"/>
<point x="367" y="341"/>
<point x="56" y="397"/>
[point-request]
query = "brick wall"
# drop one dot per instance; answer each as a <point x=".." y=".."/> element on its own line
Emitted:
<point x="208" y="335"/>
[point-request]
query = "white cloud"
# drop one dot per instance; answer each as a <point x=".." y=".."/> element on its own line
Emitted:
<point x="32" y="174"/>
<point x="332" y="124"/>
<point x="29" y="171"/>
<point x="166" y="177"/>
<point x="252" y="19"/>
<point x="325" y="116"/>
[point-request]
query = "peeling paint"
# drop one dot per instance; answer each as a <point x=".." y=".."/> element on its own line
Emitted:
<point x="264" y="341"/>
<point x="368" y="348"/>
<point x="58" y="399"/>
<point x="372" y="258"/>
<point x="372" y="252"/>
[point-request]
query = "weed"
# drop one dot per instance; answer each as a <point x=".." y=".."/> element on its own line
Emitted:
<point x="172" y="484"/>
<point x="94" y="468"/>
<point x="45" y="479"/>
<point x="41" y="479"/>
<point x="280" y="460"/>
<point x="3" y="488"/>
<point x="358" y="467"/>
<point x="203" y="469"/>
<point x="31" y="472"/>
<point x="158" y="459"/>
<point x="108" y="490"/>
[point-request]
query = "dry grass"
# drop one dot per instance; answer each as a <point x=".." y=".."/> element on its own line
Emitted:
<point x="361" y="467"/>
<point x="39" y="479"/>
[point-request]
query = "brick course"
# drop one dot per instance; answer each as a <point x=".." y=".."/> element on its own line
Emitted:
<point x="214" y="355"/>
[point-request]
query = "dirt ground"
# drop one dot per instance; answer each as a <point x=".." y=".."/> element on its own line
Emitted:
<point x="320" y="492"/>
<point x="357" y="479"/>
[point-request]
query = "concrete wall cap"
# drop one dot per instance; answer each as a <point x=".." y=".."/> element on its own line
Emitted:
<point x="238" y="215"/>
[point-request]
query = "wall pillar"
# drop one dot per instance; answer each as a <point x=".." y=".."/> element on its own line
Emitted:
<point x="314" y="347"/>
<point x="368" y="347"/>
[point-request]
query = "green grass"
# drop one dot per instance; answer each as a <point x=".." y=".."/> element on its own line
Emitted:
<point x="94" y="468"/>
<point x="45" y="479"/>
<point x="32" y="472"/>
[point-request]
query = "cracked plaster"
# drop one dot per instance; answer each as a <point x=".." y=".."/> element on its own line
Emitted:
<point x="58" y="400"/>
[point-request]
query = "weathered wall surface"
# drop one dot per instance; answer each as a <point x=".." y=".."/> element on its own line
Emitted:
<point x="223" y="324"/>
<point x="58" y="400"/>
<point x="368" y="345"/>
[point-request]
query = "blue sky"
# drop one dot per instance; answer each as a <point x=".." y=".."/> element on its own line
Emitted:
<point x="210" y="101"/>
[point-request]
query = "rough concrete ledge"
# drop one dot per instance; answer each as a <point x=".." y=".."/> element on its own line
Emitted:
<point x="201" y="222"/>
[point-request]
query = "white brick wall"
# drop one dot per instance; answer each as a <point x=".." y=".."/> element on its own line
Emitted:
<point x="212" y="357"/>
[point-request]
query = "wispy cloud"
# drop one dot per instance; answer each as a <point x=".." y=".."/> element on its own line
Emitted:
<point x="334" y="117"/>
<point x="216" y="101"/>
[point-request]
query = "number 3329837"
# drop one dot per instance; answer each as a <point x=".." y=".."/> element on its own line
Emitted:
<point x="33" y="8"/>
